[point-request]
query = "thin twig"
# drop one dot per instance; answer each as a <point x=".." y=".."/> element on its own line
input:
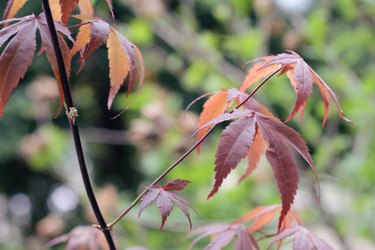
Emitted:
<point x="187" y="153"/>
<point x="74" y="127"/>
<point x="169" y="169"/>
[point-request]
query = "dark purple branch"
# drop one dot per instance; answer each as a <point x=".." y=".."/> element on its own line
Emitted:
<point x="74" y="127"/>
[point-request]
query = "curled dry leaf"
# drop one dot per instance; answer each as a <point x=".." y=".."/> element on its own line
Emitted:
<point x="165" y="197"/>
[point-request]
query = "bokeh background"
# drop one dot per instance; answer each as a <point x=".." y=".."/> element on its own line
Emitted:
<point x="192" y="47"/>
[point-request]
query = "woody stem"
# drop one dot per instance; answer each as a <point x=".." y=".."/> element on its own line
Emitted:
<point x="74" y="127"/>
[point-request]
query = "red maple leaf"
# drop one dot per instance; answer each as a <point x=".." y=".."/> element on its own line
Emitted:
<point x="250" y="136"/>
<point x="164" y="197"/>
<point x="301" y="76"/>
<point x="19" y="52"/>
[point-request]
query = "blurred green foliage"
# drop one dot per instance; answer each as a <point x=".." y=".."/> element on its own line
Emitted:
<point x="192" y="47"/>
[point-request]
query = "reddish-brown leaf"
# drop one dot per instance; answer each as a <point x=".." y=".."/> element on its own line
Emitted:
<point x="289" y="136"/>
<point x="302" y="239"/>
<point x="98" y="36"/>
<point x="303" y="84"/>
<point x="164" y="197"/>
<point x="283" y="165"/>
<point x="92" y="34"/>
<point x="49" y="50"/>
<point x="8" y="31"/>
<point x="326" y="91"/>
<point x="234" y="144"/>
<point x="18" y="55"/>
<point x="12" y="8"/>
<point x="176" y="185"/>
<point x="213" y="107"/>
<point x="67" y="7"/>
<point x="16" y="58"/>
<point x="285" y="172"/>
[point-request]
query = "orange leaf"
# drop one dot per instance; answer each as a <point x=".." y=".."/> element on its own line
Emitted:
<point x="85" y="7"/>
<point x="12" y="8"/>
<point x="55" y="9"/>
<point x="255" y="212"/>
<point x="255" y="73"/>
<point x="254" y="154"/>
<point x="125" y="59"/>
<point x="82" y="39"/>
<point x="263" y="219"/>
<point x="118" y="65"/>
<point x="213" y="107"/>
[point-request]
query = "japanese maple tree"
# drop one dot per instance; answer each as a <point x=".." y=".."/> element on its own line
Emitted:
<point x="253" y="130"/>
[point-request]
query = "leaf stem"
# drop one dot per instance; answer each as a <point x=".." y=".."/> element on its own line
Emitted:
<point x="169" y="169"/>
<point x="78" y="25"/>
<point x="258" y="87"/>
<point x="74" y="127"/>
<point x="187" y="153"/>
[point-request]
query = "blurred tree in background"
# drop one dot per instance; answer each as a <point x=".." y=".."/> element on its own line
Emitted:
<point x="191" y="47"/>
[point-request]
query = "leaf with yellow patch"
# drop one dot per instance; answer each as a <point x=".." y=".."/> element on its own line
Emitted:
<point x="118" y="65"/>
<point x="12" y="8"/>
<point x="85" y="7"/>
<point x="67" y="7"/>
<point x="55" y="9"/>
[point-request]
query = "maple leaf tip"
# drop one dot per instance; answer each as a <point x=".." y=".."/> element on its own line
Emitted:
<point x="212" y="193"/>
